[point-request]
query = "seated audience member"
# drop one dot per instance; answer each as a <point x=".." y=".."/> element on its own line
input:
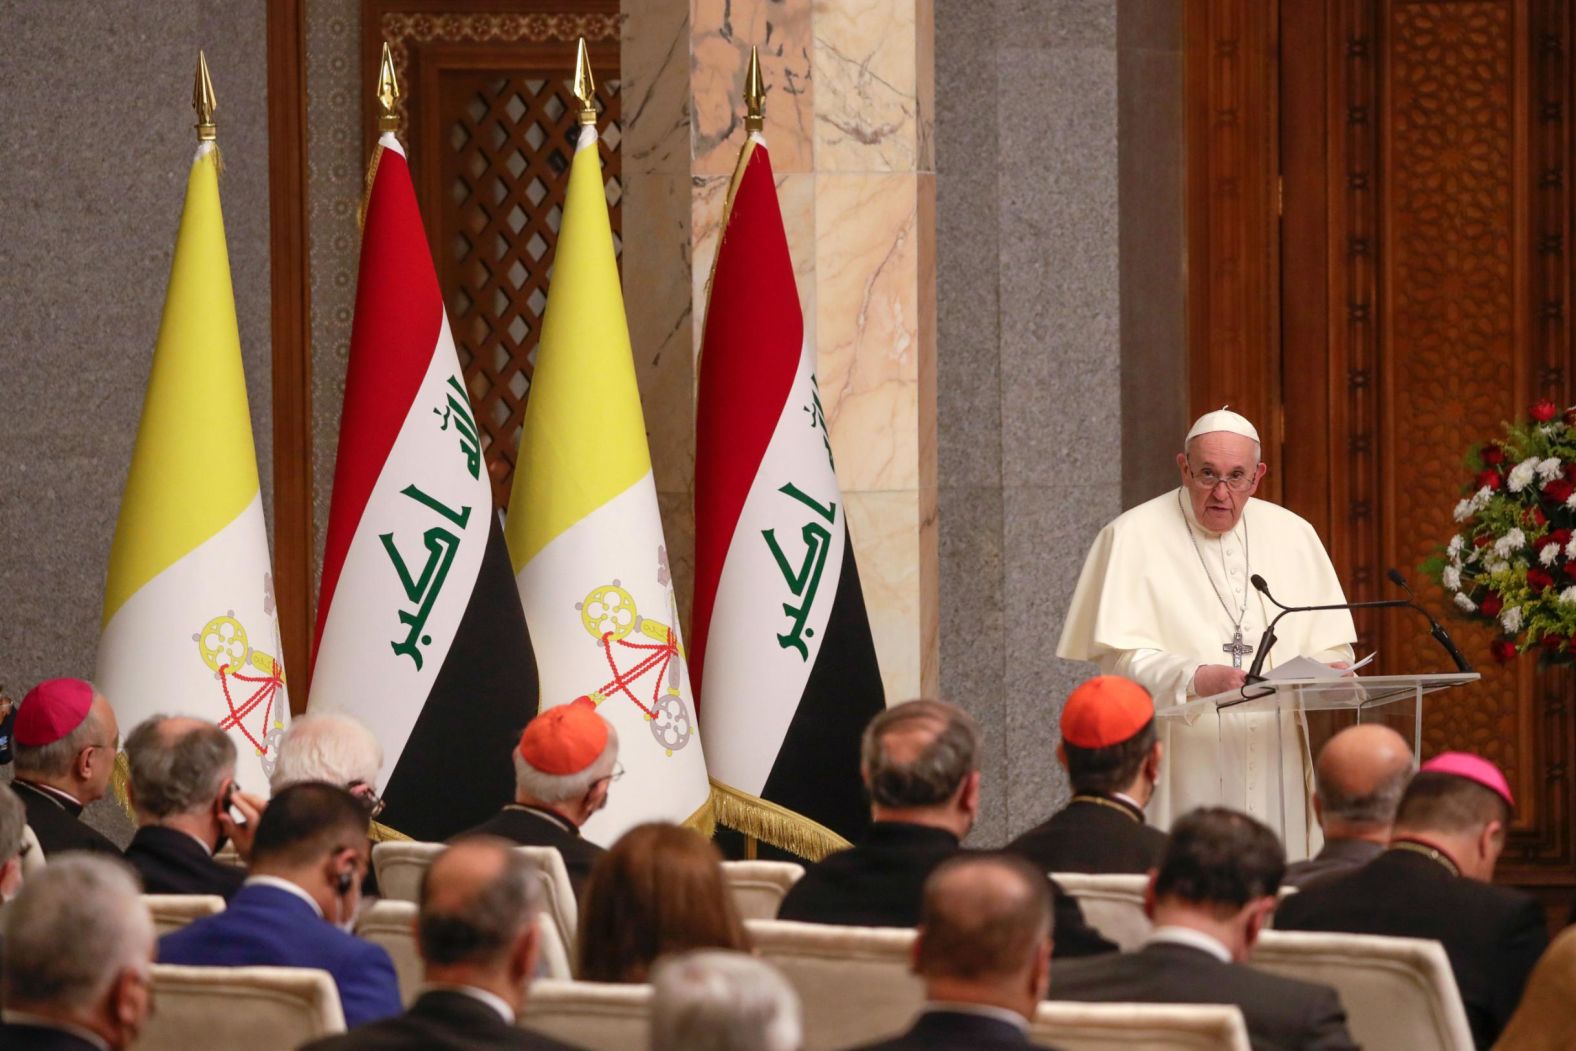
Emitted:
<point x="1112" y="756"/>
<point x="1546" y="1019"/>
<point x="65" y="741"/>
<point x="919" y="761"/>
<point x="984" y="952"/>
<point x="1361" y="772"/>
<point x="566" y="761"/>
<point x="182" y="786"/>
<point x="1434" y="882"/>
<point x="659" y="889"/>
<point x="476" y="933"/>
<point x="77" y="959"/>
<point x="13" y="826"/>
<point x="332" y="747"/>
<point x="308" y="857"/>
<point x="1209" y="900"/>
<point x="716" y="1000"/>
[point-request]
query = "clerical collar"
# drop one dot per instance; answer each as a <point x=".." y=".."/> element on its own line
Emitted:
<point x="1434" y="854"/>
<point x="548" y="815"/>
<point x="1121" y="804"/>
<point x="65" y="800"/>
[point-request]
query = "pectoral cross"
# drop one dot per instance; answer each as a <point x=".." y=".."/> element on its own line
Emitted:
<point x="1236" y="647"/>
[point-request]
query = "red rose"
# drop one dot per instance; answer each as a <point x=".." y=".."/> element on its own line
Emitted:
<point x="1491" y="454"/>
<point x="1491" y="605"/>
<point x="1536" y="516"/>
<point x="1558" y="536"/>
<point x="1552" y="642"/>
<point x="1543" y="411"/>
<point x="1559" y="490"/>
<point x="1538" y="579"/>
<point x="1504" y="650"/>
<point x="1482" y="540"/>
<point x="1570" y="570"/>
<point x="1488" y="478"/>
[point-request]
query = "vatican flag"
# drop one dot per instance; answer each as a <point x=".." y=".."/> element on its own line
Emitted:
<point x="189" y="623"/>
<point x="585" y="535"/>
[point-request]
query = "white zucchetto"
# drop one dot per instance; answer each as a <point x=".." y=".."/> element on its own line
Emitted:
<point x="1222" y="419"/>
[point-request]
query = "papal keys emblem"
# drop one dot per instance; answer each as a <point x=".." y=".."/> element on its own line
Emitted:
<point x="249" y="680"/>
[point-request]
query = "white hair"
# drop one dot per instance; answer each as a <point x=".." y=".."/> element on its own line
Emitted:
<point x="327" y="746"/>
<point x="76" y="926"/>
<point x="719" y="1000"/>
<point x="560" y="788"/>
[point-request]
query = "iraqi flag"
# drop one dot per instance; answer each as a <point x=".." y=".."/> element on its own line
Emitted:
<point x="189" y="621"/>
<point x="585" y="531"/>
<point x="420" y="634"/>
<point x="783" y="663"/>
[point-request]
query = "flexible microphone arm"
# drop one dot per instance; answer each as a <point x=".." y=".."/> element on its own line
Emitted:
<point x="1268" y="638"/>
<point x="1436" y="629"/>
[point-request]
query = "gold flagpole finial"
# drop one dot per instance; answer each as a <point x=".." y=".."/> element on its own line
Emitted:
<point x="388" y="93"/>
<point x="754" y="95"/>
<point x="585" y="86"/>
<point x="204" y="102"/>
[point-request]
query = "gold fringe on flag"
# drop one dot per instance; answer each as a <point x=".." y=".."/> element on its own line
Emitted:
<point x="770" y="823"/>
<point x="704" y="820"/>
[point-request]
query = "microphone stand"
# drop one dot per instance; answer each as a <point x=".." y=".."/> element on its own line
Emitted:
<point x="1268" y="638"/>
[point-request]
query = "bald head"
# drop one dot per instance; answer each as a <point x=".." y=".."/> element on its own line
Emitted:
<point x="1362" y="772"/>
<point x="984" y="917"/>
<point x="477" y="899"/>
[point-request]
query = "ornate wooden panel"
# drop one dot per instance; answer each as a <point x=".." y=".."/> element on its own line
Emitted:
<point x="491" y="125"/>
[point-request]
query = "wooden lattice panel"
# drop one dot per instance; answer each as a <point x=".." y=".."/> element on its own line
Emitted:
<point x="507" y="143"/>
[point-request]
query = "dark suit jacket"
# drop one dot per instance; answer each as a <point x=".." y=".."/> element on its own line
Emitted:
<point x="880" y="881"/>
<point x="531" y="827"/>
<point x="1493" y="935"/>
<point x="266" y="925"/>
<point x="442" y="1021"/>
<point x="955" y="1031"/>
<point x="171" y="862"/>
<point x="58" y="824"/>
<point x="1282" y="1014"/>
<point x="1089" y="836"/>
<point x="1338" y="856"/>
<point x="39" y="1038"/>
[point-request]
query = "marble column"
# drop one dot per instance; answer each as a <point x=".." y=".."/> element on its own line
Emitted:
<point x="849" y="110"/>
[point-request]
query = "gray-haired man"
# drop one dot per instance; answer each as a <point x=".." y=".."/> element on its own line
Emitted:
<point x="717" y="1000"/>
<point x="13" y="823"/>
<point x="77" y="958"/>
<point x="1361" y="772"/>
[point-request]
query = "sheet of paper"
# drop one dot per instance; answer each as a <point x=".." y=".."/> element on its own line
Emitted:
<point x="1308" y="668"/>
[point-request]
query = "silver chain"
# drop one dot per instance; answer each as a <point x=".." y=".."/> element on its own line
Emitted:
<point x="1247" y="555"/>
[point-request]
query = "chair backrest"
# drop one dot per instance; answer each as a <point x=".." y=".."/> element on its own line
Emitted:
<point x="854" y="983"/>
<point x="32" y="854"/>
<point x="1139" y="1027"/>
<point x="400" y="866"/>
<point x="1112" y="903"/>
<point x="392" y="924"/>
<point x="1398" y="992"/>
<point x="558" y="895"/>
<point x="598" y="1016"/>
<point x="240" y="1008"/>
<point x="759" y="886"/>
<point x="171" y="912"/>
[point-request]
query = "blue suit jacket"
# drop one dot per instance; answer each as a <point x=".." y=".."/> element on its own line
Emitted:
<point x="272" y="927"/>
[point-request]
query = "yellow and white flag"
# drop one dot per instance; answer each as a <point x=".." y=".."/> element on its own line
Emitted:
<point x="585" y="534"/>
<point x="189" y="621"/>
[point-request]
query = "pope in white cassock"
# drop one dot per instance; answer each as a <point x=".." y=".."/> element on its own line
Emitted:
<point x="1165" y="599"/>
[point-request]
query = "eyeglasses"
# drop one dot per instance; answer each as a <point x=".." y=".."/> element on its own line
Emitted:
<point x="618" y="772"/>
<point x="367" y="797"/>
<point x="1237" y="481"/>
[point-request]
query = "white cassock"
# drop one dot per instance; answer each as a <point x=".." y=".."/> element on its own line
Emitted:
<point x="1151" y="605"/>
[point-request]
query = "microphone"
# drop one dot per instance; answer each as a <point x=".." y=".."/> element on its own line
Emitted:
<point x="1436" y="629"/>
<point x="1268" y="638"/>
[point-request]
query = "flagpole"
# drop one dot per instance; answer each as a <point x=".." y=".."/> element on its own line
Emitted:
<point x="754" y="123"/>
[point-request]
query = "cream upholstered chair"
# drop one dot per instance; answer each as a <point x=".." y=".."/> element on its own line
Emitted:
<point x="760" y="886"/>
<point x="1112" y="903"/>
<point x="392" y="924"/>
<point x="1398" y="992"/>
<point x="552" y="955"/>
<point x="400" y="866"/>
<point x="171" y="912"/>
<point x="558" y="895"/>
<point x="240" y="1008"/>
<point x="854" y="983"/>
<point x="1139" y="1027"/>
<point x="598" y="1016"/>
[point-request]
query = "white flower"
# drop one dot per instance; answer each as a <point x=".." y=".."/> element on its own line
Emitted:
<point x="1510" y="543"/>
<point x="1550" y="469"/>
<point x="1463" y="510"/>
<point x="1451" y="578"/>
<point x="1481" y="498"/>
<point x="1466" y="603"/>
<point x="1522" y="474"/>
<point x="1549" y="553"/>
<point x="1571" y="501"/>
<point x="1568" y="596"/>
<point x="1497" y="566"/>
<point x="1570" y="548"/>
<point x="1511" y="619"/>
<point x="1454" y="547"/>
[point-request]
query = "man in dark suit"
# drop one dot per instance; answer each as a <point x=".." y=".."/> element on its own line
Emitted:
<point x="308" y="856"/>
<point x="1434" y="882"/>
<point x="13" y="822"/>
<point x="1113" y="759"/>
<point x="984" y="953"/>
<point x="476" y="932"/>
<point x="566" y="761"/>
<point x="182" y="787"/>
<point x="1361" y="772"/>
<point x="77" y="959"/>
<point x="920" y="765"/>
<point x="65" y="741"/>
<point x="1209" y="899"/>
